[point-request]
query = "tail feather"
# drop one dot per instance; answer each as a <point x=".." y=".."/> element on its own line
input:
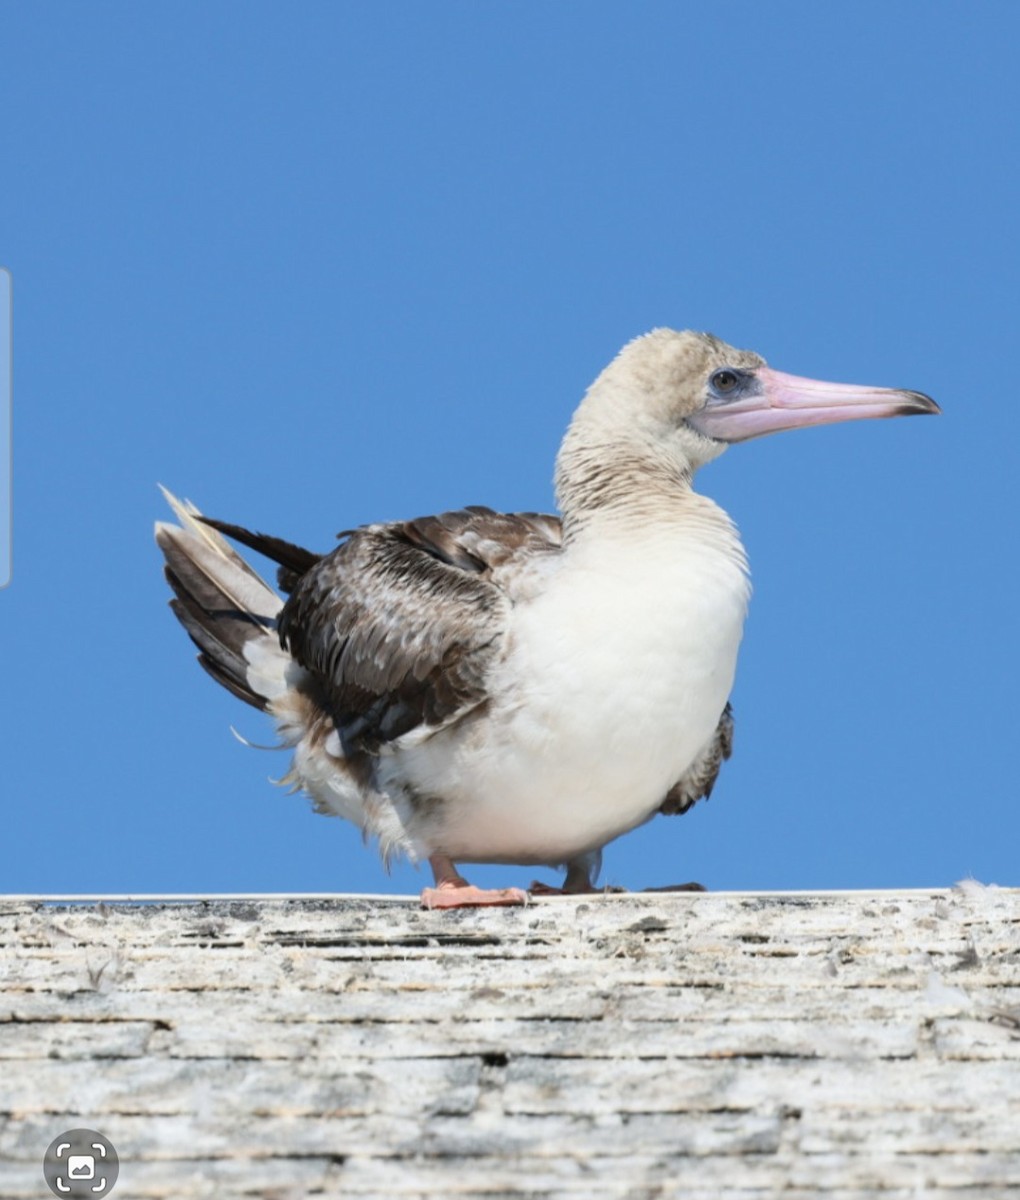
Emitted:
<point x="230" y="682"/>
<point x="225" y="607"/>
<point x="214" y="633"/>
<point x="204" y="553"/>
<point x="293" y="560"/>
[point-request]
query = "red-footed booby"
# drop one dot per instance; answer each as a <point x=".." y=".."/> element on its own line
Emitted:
<point x="514" y="687"/>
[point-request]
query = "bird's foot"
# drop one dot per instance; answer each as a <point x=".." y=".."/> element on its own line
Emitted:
<point x="465" y="895"/>
<point x="452" y="890"/>
<point x="537" y="888"/>
<point x="679" y="887"/>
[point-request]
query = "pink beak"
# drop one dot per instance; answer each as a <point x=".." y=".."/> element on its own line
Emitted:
<point x="789" y="402"/>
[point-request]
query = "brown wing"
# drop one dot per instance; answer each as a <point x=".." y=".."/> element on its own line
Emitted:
<point x="401" y="623"/>
<point x="697" y="784"/>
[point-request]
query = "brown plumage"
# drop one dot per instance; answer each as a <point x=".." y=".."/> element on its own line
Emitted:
<point x="354" y="619"/>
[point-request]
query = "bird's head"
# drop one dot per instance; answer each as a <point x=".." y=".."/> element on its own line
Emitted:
<point x="672" y="401"/>
<point x="695" y="390"/>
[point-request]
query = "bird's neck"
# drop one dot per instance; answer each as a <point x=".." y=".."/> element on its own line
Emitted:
<point x="634" y="522"/>
<point x="626" y="486"/>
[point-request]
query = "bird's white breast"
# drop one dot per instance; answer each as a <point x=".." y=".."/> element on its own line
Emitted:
<point x="614" y="680"/>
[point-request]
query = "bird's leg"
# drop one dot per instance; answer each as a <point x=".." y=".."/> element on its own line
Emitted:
<point x="581" y="874"/>
<point x="452" y="890"/>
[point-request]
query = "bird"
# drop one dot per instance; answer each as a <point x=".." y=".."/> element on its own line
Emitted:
<point x="518" y="688"/>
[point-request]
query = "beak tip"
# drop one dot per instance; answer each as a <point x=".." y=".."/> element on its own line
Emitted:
<point x="917" y="403"/>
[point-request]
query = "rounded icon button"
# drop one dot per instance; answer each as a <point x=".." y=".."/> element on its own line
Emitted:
<point x="81" y="1162"/>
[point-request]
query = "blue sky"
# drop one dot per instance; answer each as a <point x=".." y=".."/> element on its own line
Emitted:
<point x="314" y="265"/>
<point x="5" y="427"/>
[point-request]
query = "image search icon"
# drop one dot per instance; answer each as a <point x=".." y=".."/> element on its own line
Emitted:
<point x="81" y="1166"/>
<point x="81" y="1162"/>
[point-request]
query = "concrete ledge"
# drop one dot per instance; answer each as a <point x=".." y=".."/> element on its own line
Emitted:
<point x="698" y="1046"/>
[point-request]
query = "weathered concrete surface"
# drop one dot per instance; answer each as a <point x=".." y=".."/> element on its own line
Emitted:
<point x="708" y="1047"/>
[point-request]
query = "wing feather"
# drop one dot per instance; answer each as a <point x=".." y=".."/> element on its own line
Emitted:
<point x="402" y="622"/>
<point x="700" y="778"/>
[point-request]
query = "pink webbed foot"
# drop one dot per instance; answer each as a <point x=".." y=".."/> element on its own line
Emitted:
<point x="467" y="896"/>
<point x="452" y="890"/>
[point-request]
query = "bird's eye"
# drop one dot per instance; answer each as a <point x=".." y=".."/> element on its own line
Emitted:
<point x="725" y="380"/>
